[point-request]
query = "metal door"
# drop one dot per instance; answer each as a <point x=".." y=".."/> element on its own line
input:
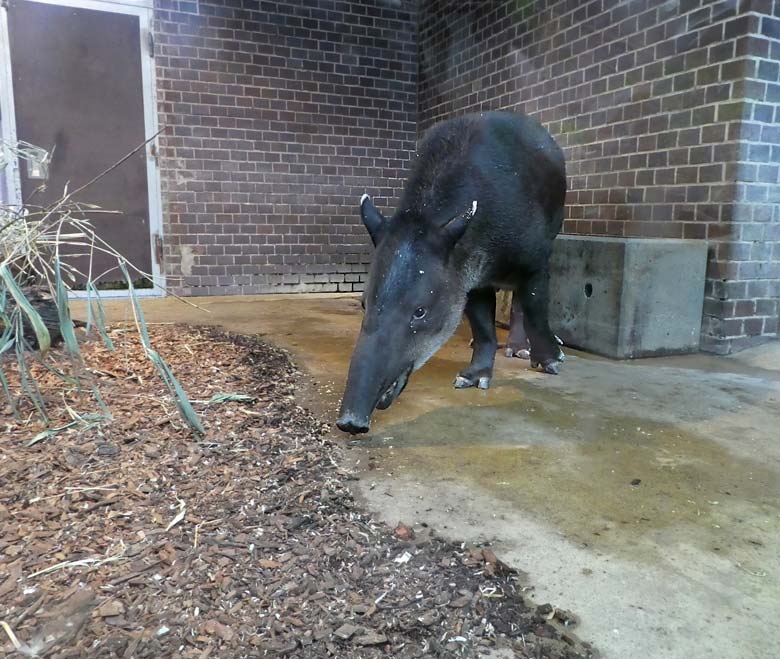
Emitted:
<point x="81" y="86"/>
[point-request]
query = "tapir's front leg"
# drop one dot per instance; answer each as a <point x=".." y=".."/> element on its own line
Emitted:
<point x="481" y="313"/>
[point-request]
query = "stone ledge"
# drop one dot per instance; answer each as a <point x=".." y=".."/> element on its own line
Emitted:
<point x="628" y="297"/>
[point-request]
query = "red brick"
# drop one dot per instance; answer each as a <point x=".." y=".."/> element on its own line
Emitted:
<point x="688" y="190"/>
<point x="248" y="95"/>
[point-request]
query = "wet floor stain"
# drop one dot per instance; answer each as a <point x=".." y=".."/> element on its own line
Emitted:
<point x="608" y="482"/>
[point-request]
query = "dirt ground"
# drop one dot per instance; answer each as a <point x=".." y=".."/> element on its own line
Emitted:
<point x="135" y="539"/>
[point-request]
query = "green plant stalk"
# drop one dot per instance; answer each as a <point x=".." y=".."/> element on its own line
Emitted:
<point x="69" y="334"/>
<point x="8" y="394"/>
<point x="6" y="343"/>
<point x="99" y="317"/>
<point x="41" y="332"/>
<point x="177" y="392"/>
<point x="63" y="313"/>
<point x="29" y="386"/>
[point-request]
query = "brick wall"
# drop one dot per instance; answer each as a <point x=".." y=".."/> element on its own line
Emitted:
<point x="280" y="115"/>
<point x="668" y="113"/>
<point x="746" y="274"/>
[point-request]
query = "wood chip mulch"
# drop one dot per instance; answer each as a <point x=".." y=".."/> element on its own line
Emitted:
<point x="135" y="539"/>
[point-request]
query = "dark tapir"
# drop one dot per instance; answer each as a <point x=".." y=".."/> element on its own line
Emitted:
<point x="479" y="212"/>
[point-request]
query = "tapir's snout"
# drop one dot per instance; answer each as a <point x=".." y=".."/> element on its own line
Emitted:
<point x="352" y="424"/>
<point x="374" y="381"/>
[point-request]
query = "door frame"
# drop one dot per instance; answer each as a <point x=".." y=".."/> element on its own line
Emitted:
<point x="12" y="193"/>
<point x="144" y="10"/>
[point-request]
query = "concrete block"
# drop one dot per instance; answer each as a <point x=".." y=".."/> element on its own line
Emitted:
<point x="628" y="297"/>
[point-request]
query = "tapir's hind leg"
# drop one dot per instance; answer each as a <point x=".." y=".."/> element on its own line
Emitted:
<point x="533" y="294"/>
<point x="517" y="342"/>
<point x="481" y="313"/>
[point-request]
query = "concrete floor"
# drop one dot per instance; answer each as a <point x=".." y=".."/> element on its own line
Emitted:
<point x="643" y="496"/>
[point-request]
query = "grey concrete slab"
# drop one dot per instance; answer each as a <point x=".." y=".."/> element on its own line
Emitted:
<point x="628" y="297"/>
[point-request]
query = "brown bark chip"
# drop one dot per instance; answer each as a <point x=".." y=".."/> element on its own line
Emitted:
<point x="135" y="539"/>
<point x="403" y="532"/>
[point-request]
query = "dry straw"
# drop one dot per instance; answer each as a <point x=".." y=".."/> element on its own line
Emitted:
<point x="35" y="280"/>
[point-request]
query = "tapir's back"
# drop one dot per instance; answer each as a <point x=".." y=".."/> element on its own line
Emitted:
<point x="502" y="160"/>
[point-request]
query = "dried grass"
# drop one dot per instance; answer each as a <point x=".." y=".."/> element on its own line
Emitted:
<point x="35" y="281"/>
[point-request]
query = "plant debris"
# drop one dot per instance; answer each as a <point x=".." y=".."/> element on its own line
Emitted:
<point x="245" y="542"/>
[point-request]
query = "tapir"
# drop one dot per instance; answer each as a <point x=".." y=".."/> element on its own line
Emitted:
<point x="479" y="212"/>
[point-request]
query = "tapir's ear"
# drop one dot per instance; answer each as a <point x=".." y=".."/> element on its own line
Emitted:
<point x="456" y="227"/>
<point x="372" y="218"/>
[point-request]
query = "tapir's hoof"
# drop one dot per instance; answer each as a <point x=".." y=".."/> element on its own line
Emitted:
<point x="551" y="366"/>
<point x="462" y="382"/>
<point x="522" y="353"/>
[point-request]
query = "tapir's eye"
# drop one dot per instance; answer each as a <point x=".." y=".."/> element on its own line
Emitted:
<point x="419" y="313"/>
